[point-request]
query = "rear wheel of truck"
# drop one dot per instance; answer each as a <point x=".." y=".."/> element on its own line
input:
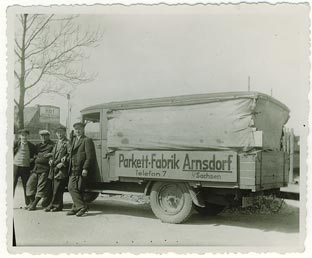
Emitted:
<point x="90" y="196"/>
<point x="171" y="202"/>
<point x="211" y="209"/>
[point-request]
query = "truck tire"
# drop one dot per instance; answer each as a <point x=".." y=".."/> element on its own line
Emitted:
<point x="211" y="209"/>
<point x="171" y="202"/>
<point x="90" y="196"/>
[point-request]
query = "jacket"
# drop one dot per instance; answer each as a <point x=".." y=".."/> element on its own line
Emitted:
<point x="56" y="158"/>
<point x="81" y="156"/>
<point x="42" y="162"/>
<point x="32" y="151"/>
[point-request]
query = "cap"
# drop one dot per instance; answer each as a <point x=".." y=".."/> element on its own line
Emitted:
<point x="23" y="131"/>
<point x="79" y="124"/>
<point x="61" y="128"/>
<point x="44" y="132"/>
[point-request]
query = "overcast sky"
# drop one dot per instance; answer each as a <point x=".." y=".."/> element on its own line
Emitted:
<point x="165" y="51"/>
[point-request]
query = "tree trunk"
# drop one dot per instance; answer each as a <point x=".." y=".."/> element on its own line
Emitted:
<point x="20" y="114"/>
<point x="21" y="103"/>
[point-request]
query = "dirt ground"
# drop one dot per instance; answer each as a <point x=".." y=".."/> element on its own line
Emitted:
<point x="113" y="223"/>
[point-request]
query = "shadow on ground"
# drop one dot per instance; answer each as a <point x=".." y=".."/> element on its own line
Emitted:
<point x="287" y="220"/>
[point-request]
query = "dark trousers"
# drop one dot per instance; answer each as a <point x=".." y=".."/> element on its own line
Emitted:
<point x="37" y="185"/>
<point x="24" y="173"/>
<point x="76" y="187"/>
<point x="46" y="200"/>
<point x="58" y="186"/>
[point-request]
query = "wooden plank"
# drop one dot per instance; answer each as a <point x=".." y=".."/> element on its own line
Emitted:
<point x="270" y="170"/>
<point x="272" y="179"/>
<point x="291" y="156"/>
<point x="247" y="171"/>
<point x="247" y="181"/>
<point x="247" y="166"/>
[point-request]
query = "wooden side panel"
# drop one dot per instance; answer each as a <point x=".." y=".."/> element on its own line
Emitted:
<point x="270" y="170"/>
<point x="108" y="168"/>
<point x="112" y="168"/>
<point x="247" y="171"/>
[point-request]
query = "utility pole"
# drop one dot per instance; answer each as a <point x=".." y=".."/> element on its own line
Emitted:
<point x="68" y="113"/>
<point x="248" y="83"/>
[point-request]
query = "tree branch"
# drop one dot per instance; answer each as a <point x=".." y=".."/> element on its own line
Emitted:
<point x="33" y="98"/>
<point x="49" y="62"/>
<point x="38" y="79"/>
<point x="51" y="51"/>
<point x="16" y="74"/>
<point x="35" y="33"/>
<point x="35" y="16"/>
<point x="44" y="48"/>
<point x="18" y="45"/>
<point x="19" y="56"/>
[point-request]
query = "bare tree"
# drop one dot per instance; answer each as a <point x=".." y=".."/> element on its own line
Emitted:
<point x="49" y="50"/>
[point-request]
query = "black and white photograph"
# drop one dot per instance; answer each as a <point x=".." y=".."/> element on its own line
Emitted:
<point x="157" y="126"/>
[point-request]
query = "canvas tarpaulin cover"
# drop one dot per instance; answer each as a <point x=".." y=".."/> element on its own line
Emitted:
<point x="232" y="123"/>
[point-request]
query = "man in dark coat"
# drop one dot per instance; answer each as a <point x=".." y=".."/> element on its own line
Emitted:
<point x="58" y="174"/>
<point x="82" y="158"/>
<point x="24" y="152"/>
<point x="36" y="187"/>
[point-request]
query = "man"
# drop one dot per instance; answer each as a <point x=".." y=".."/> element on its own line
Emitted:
<point x="24" y="152"/>
<point x="36" y="187"/>
<point x="81" y="163"/>
<point x="58" y="170"/>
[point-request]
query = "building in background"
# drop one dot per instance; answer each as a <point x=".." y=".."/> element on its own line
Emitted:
<point x="38" y="118"/>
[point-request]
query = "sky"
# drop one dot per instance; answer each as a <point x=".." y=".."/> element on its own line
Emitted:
<point x="158" y="51"/>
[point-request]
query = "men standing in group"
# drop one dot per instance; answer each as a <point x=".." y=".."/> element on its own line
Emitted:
<point x="24" y="152"/>
<point x="37" y="183"/>
<point x="58" y="174"/>
<point x="81" y="165"/>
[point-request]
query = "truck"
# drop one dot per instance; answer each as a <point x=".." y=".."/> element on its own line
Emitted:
<point x="203" y="152"/>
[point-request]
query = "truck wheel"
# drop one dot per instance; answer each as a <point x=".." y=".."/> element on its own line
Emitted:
<point x="210" y="209"/>
<point x="171" y="202"/>
<point x="90" y="196"/>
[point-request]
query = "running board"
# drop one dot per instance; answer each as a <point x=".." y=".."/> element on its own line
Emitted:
<point x="114" y="192"/>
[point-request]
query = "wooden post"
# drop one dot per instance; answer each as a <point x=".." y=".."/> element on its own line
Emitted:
<point x="291" y="156"/>
<point x="284" y="139"/>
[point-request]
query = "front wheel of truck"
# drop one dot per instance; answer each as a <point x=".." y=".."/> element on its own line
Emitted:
<point x="171" y="202"/>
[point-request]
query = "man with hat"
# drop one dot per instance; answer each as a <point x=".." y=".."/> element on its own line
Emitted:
<point x="81" y="165"/>
<point x="58" y="174"/>
<point x="37" y="183"/>
<point x="24" y="152"/>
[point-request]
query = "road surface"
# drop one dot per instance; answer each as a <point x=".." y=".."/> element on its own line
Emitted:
<point x="113" y="223"/>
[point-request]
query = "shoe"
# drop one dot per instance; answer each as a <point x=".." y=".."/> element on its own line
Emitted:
<point x="26" y="207"/>
<point x="56" y="209"/>
<point x="32" y="208"/>
<point x="48" y="209"/>
<point x="71" y="212"/>
<point x="81" y="212"/>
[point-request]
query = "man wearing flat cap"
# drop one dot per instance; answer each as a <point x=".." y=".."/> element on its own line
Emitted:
<point x="36" y="187"/>
<point x="24" y="152"/>
<point x="58" y="174"/>
<point x="81" y="164"/>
